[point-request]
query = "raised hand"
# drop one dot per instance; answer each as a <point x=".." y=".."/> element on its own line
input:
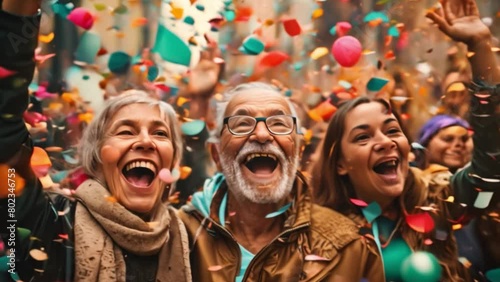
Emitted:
<point x="459" y="19"/>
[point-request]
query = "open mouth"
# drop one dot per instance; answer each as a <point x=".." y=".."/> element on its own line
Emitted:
<point x="140" y="173"/>
<point x="387" y="168"/>
<point x="261" y="164"/>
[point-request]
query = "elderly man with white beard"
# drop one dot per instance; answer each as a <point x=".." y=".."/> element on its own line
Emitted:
<point x="255" y="221"/>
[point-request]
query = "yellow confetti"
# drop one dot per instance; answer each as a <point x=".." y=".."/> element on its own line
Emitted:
<point x="450" y="199"/>
<point x="177" y="12"/>
<point x="456" y="226"/>
<point x="181" y="101"/>
<point x="317" y="13"/>
<point x="268" y="22"/>
<point x="470" y="54"/>
<point x="308" y="136"/>
<point x="319" y="52"/>
<point x="86" y="117"/>
<point x="46" y="38"/>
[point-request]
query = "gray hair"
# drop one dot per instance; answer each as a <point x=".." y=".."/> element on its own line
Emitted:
<point x="94" y="135"/>
<point x="221" y="105"/>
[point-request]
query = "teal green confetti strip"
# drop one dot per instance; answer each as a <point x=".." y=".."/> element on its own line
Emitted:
<point x="153" y="72"/>
<point x="171" y="48"/>
<point x="493" y="275"/>
<point x="23" y="233"/>
<point x="372" y="211"/>
<point x="374" y="15"/>
<point x="119" y="62"/>
<point x="483" y="199"/>
<point x="393" y="31"/>
<point x="280" y="211"/>
<point x="333" y="30"/>
<point x="192" y="128"/>
<point x="253" y="45"/>
<point x="89" y="46"/>
<point x="200" y="7"/>
<point x="376" y="83"/>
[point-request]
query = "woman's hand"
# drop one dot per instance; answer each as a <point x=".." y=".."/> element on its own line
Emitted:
<point x="459" y="19"/>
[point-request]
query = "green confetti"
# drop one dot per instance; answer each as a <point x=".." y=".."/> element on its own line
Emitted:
<point x="171" y="48"/>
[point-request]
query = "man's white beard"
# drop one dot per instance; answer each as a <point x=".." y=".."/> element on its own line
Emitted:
<point x="241" y="187"/>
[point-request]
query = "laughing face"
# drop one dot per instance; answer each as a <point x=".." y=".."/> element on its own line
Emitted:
<point x="137" y="147"/>
<point x="259" y="167"/>
<point x="374" y="153"/>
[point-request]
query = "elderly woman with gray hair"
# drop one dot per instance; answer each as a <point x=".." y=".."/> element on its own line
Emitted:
<point x="118" y="227"/>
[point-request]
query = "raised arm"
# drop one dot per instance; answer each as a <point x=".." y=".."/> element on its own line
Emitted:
<point x="19" y="23"/>
<point x="459" y="19"/>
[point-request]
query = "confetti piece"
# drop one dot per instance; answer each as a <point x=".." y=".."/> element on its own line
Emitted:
<point x="483" y="199"/>
<point x="376" y="16"/>
<point x="421" y="266"/>
<point x="89" y="45"/>
<point x="42" y="58"/>
<point x="100" y="6"/>
<point x="111" y="199"/>
<point x="81" y="17"/>
<point x="63" y="236"/>
<point x="185" y="172"/>
<point x="292" y="27"/>
<point x="166" y="176"/>
<point x="189" y="20"/>
<point x="243" y="13"/>
<point x="317" y="13"/>
<point x="6" y="177"/>
<point x="252" y="45"/>
<point x="393" y="31"/>
<point x="315" y="258"/>
<point x="372" y="211"/>
<point x="273" y="59"/>
<point x="120" y="10"/>
<point x="318" y="53"/>
<point x="279" y="211"/>
<point x="38" y="255"/>
<point x="342" y="28"/>
<point x="119" y="62"/>
<point x="193" y="128"/>
<point x="137" y="22"/>
<point x="493" y="275"/>
<point x="5" y="72"/>
<point x="171" y="48"/>
<point x="420" y="222"/>
<point x="358" y="202"/>
<point x="46" y="38"/>
<point x="46" y="181"/>
<point x="389" y="55"/>
<point x="376" y="83"/>
<point x="325" y="110"/>
<point x="347" y="51"/>
<point x="230" y="15"/>
<point x="215" y="268"/>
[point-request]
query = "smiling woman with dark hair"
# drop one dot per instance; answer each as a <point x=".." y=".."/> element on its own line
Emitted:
<point x="118" y="227"/>
<point x="363" y="171"/>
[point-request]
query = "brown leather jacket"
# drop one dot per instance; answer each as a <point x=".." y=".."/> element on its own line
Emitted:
<point x="338" y="252"/>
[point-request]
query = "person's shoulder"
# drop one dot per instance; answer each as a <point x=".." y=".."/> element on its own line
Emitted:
<point x="330" y="225"/>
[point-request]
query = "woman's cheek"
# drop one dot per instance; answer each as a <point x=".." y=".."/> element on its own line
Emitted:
<point x="109" y="154"/>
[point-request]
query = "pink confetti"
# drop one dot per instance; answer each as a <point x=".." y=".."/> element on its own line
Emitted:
<point x="166" y="176"/>
<point x="358" y="202"/>
<point x="5" y="72"/>
<point x="315" y="257"/>
<point x="81" y="17"/>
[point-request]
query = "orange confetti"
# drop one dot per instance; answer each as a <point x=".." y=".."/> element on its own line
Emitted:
<point x="317" y="13"/>
<point x="375" y="22"/>
<point x="470" y="54"/>
<point x="111" y="199"/>
<point x="185" y="172"/>
<point x="390" y="55"/>
<point x="243" y="14"/>
<point x="13" y="183"/>
<point x="63" y="236"/>
<point x="388" y="40"/>
<point x="457" y="226"/>
<point x="86" y="117"/>
<point x="46" y="38"/>
<point x="40" y="157"/>
<point x="139" y="22"/>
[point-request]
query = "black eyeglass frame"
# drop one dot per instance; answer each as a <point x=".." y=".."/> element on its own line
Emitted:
<point x="257" y="120"/>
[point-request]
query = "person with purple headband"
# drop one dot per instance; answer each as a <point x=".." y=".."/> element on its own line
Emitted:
<point x="447" y="141"/>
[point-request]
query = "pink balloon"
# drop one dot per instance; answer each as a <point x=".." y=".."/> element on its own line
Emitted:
<point x="346" y="50"/>
<point x="81" y="17"/>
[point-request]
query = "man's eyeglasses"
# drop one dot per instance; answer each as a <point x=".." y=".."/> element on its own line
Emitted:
<point x="245" y="125"/>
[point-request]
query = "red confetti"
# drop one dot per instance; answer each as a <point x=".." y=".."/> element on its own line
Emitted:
<point x="273" y="59"/>
<point x="420" y="222"/>
<point x="81" y="17"/>
<point x="5" y="72"/>
<point x="292" y="27"/>
<point x="63" y="236"/>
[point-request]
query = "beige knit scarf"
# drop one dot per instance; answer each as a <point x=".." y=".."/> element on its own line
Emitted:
<point x="103" y="228"/>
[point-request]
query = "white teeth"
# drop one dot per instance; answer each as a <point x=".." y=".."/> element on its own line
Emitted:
<point x="251" y="156"/>
<point x="145" y="164"/>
